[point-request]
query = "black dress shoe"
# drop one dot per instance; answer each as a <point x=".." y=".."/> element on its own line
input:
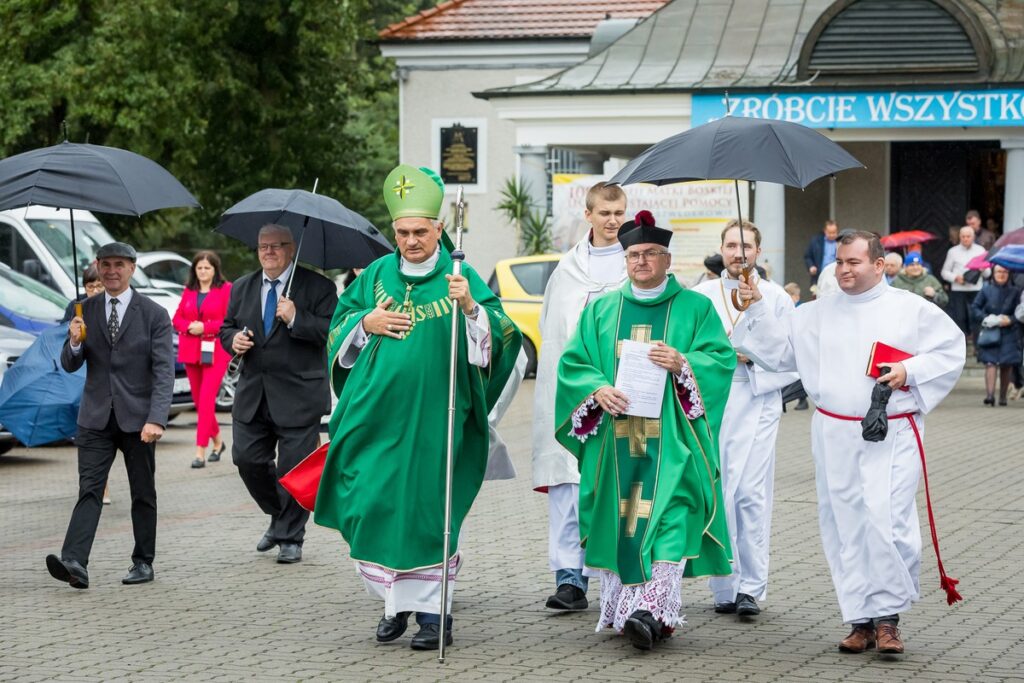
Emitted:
<point x="568" y="598"/>
<point x="290" y="553"/>
<point x="68" y="571"/>
<point x="266" y="543"/>
<point x="725" y="607"/>
<point x="428" y="637"/>
<point x="746" y="605"/>
<point x="389" y="629"/>
<point x="198" y="463"/>
<point x="801" y="404"/>
<point x="139" y="573"/>
<point x="642" y="629"/>
<point x="214" y="455"/>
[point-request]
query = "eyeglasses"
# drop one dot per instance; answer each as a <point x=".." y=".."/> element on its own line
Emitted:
<point x="94" y="287"/>
<point x="272" y="246"/>
<point x="649" y="255"/>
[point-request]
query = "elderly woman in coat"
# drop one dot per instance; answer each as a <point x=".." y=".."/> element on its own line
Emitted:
<point x="999" y="343"/>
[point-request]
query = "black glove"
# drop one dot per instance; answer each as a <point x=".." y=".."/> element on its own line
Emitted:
<point x="875" y="424"/>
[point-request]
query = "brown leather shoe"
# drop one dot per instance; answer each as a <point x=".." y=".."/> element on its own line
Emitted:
<point x="861" y="638"/>
<point x="889" y="641"/>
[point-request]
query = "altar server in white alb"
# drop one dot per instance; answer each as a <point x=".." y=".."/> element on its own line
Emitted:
<point x="749" y="429"/>
<point x="866" y="489"/>
<point x="594" y="266"/>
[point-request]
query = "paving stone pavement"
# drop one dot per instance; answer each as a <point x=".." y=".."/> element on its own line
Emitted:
<point x="219" y="611"/>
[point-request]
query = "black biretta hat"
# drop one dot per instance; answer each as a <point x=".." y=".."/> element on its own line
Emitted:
<point x="642" y="230"/>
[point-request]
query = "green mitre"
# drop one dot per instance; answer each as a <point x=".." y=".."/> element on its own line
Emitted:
<point x="413" y="192"/>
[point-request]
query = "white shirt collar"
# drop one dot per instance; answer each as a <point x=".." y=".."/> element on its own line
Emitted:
<point x="282" y="278"/>
<point x="649" y="293"/>
<point x="123" y="299"/>
<point x="878" y="290"/>
<point x="418" y="269"/>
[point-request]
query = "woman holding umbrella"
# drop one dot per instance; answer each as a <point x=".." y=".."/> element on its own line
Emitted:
<point x="998" y="342"/>
<point x="198" y="321"/>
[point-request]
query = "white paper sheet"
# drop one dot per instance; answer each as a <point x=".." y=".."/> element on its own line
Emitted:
<point x="640" y="379"/>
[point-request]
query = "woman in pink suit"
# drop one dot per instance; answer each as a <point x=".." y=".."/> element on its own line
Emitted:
<point x="198" y="320"/>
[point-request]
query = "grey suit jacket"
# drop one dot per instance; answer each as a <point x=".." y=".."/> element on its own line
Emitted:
<point x="288" y="367"/>
<point x="133" y="375"/>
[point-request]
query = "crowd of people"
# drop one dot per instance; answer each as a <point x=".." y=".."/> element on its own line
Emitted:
<point x="656" y="411"/>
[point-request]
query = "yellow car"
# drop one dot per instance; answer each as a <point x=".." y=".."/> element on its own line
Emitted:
<point x="520" y="283"/>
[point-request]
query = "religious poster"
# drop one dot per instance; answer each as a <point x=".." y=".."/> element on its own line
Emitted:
<point x="696" y="212"/>
<point x="459" y="154"/>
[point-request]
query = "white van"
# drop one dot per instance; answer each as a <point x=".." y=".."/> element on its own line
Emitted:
<point x="36" y="241"/>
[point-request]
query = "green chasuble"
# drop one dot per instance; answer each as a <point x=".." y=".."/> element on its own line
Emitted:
<point x="383" y="482"/>
<point x="650" y="489"/>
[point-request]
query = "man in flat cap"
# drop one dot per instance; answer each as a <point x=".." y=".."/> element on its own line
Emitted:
<point x="650" y="508"/>
<point x="383" y="484"/>
<point x="124" y="339"/>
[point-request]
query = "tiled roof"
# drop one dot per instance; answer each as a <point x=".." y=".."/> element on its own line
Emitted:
<point x="515" y="19"/>
<point x="696" y="44"/>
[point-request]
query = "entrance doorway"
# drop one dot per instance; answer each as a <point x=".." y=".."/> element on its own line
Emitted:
<point x="933" y="184"/>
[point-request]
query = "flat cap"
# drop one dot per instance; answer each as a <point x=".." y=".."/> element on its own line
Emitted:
<point x="116" y="250"/>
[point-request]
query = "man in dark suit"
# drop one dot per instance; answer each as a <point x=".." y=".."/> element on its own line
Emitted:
<point x="128" y="385"/>
<point x="821" y="250"/>
<point x="282" y="391"/>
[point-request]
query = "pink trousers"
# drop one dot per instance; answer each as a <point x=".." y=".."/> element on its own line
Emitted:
<point x="205" y="382"/>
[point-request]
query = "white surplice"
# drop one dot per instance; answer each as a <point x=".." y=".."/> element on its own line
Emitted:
<point x="583" y="274"/>
<point x="418" y="590"/>
<point x="866" y="491"/>
<point x="746" y="444"/>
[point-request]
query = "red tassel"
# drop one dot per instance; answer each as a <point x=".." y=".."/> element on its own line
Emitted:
<point x="644" y="218"/>
<point x="948" y="584"/>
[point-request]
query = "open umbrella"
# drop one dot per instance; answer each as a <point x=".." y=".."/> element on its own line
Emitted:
<point x="906" y="238"/>
<point x="979" y="262"/>
<point x="38" y="399"/>
<point x="1011" y="257"/>
<point x="90" y="177"/>
<point x="740" y="148"/>
<point x="1012" y="237"/>
<point x="329" y="234"/>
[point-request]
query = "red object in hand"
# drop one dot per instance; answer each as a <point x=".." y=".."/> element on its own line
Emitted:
<point x="303" y="480"/>
<point x="882" y="353"/>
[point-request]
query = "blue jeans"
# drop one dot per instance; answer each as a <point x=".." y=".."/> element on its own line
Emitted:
<point x="573" y="577"/>
<point x="423" y="618"/>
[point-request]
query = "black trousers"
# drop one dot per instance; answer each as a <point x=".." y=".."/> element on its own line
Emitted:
<point x="96" y="451"/>
<point x="253" y="452"/>
<point x="960" y="310"/>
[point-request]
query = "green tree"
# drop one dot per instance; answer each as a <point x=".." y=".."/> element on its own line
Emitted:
<point x="231" y="97"/>
<point x="533" y="228"/>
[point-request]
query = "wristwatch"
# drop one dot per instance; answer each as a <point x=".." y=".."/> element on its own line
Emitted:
<point x="475" y="312"/>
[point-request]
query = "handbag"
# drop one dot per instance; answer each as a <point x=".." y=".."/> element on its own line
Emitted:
<point x="989" y="336"/>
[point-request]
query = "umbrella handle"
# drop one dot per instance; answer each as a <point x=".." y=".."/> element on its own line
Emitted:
<point x="78" y="313"/>
<point x="742" y="305"/>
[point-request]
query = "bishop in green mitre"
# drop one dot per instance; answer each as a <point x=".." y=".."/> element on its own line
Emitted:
<point x="383" y="484"/>
<point x="650" y="507"/>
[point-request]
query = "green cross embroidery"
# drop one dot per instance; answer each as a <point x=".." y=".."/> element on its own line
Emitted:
<point x="403" y="187"/>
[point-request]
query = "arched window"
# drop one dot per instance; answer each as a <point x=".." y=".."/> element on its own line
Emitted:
<point x="864" y="37"/>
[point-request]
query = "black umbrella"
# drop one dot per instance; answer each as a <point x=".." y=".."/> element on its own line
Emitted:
<point x="740" y="148"/>
<point x="90" y="177"/>
<point x="329" y="234"/>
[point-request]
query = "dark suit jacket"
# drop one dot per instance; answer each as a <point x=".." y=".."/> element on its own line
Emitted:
<point x="815" y="251"/>
<point x="134" y="375"/>
<point x="289" y="367"/>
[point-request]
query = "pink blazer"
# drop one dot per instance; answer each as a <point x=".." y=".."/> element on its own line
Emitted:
<point x="212" y="313"/>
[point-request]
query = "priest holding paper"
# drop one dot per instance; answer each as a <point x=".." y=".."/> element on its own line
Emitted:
<point x="847" y="350"/>
<point x="641" y="389"/>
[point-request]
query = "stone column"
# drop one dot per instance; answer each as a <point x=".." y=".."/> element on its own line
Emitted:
<point x="1013" y="199"/>
<point x="533" y="174"/>
<point x="770" y="219"/>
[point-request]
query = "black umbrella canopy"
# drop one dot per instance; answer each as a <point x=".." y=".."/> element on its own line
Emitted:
<point x="90" y="177"/>
<point x="331" y="235"/>
<point x="740" y="148"/>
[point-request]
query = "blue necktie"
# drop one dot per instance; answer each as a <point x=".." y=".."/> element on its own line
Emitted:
<point x="270" y="308"/>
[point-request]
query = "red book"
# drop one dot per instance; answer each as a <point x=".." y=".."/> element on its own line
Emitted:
<point x="882" y="353"/>
<point x="303" y="480"/>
